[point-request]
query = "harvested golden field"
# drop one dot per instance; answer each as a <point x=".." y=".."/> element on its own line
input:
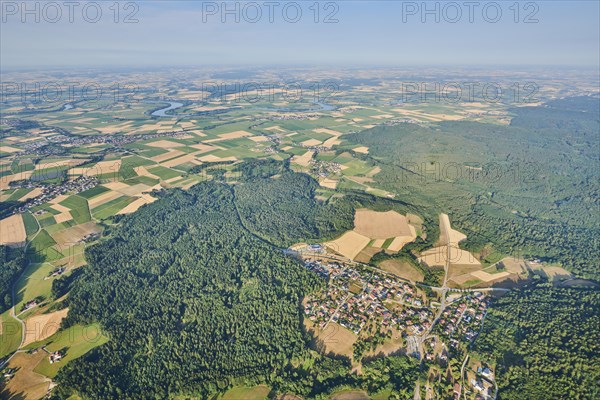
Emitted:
<point x="58" y="199"/>
<point x="168" y="155"/>
<point x="402" y="269"/>
<point x="12" y="231"/>
<point x="328" y="131"/>
<point x="165" y="144"/>
<point x="487" y="277"/>
<point x="304" y="159"/>
<point x="34" y="193"/>
<point x="447" y="234"/>
<point x="311" y="142"/>
<point x="336" y="339"/>
<point x="134" y="190"/>
<point x="400" y="241"/>
<point x="361" y="149"/>
<point x="6" y="180"/>
<point x="329" y="143"/>
<point x="180" y="160"/>
<point x="350" y="244"/>
<point x="8" y="149"/>
<point x="60" y="208"/>
<point x="110" y="129"/>
<point x="230" y="135"/>
<point x="103" y="198"/>
<point x="259" y="139"/>
<point x="434" y="257"/>
<point x="462" y="257"/>
<point x="381" y="225"/>
<point x="70" y="236"/>
<point x="328" y="183"/>
<point x="63" y="217"/>
<point x="213" y="158"/>
<point x="42" y="326"/>
<point x="133" y="207"/>
<point x="26" y="384"/>
<point x="142" y="171"/>
<point x="367" y="253"/>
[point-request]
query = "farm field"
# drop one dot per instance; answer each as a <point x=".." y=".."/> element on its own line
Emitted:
<point x="12" y="231"/>
<point x="402" y="269"/>
<point x="250" y="393"/>
<point x="28" y="383"/>
<point x="42" y="326"/>
<point x="373" y="231"/>
<point x="10" y="334"/>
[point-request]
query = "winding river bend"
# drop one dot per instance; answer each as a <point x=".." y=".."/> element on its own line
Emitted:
<point x="173" y="105"/>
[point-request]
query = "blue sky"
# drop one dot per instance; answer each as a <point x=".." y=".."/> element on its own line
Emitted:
<point x="367" y="33"/>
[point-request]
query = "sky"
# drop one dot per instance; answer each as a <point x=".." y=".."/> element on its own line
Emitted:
<point x="347" y="32"/>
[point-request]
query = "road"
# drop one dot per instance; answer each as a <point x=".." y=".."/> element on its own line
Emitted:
<point x="12" y="312"/>
<point x="462" y="377"/>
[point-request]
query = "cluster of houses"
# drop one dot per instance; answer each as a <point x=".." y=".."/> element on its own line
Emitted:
<point x="354" y="297"/>
<point x="398" y="121"/>
<point x="294" y="116"/>
<point x="325" y="168"/>
<point x="90" y="237"/>
<point x="463" y="319"/>
<point x="482" y="383"/>
<point x="51" y="191"/>
<point x="41" y="148"/>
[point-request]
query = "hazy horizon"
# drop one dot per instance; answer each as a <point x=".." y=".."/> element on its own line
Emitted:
<point x="380" y="33"/>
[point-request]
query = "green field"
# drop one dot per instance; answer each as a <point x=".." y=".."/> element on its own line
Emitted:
<point x="31" y="225"/>
<point x="32" y="284"/>
<point x="79" y="208"/>
<point x="72" y="342"/>
<point x="10" y="339"/>
<point x="247" y="393"/>
<point x="112" y="207"/>
<point x="41" y="242"/>
<point x="93" y="192"/>
<point x="163" y="172"/>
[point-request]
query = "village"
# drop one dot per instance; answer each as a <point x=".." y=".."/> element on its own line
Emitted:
<point x="359" y="298"/>
<point x="52" y="191"/>
<point x="354" y="297"/>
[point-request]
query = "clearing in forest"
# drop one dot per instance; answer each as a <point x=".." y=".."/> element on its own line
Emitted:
<point x="42" y="326"/>
<point x="381" y="225"/>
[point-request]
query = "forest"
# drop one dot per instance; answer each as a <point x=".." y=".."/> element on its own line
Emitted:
<point x="13" y="262"/>
<point x="546" y="341"/>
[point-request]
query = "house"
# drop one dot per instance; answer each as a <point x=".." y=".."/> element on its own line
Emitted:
<point x="55" y="357"/>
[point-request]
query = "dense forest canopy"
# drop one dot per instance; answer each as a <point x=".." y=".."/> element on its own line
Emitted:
<point x="190" y="300"/>
<point x="12" y="262"/>
<point x="546" y="342"/>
